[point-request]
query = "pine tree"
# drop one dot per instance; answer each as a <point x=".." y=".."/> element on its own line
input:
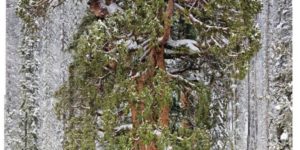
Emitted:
<point x="135" y="82"/>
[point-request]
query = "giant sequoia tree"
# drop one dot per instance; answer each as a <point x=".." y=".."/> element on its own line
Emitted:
<point x="139" y="75"/>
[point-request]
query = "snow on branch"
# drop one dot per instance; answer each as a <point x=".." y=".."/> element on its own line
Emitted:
<point x="123" y="127"/>
<point x="195" y="20"/>
<point x="178" y="77"/>
<point x="111" y="8"/>
<point x="190" y="44"/>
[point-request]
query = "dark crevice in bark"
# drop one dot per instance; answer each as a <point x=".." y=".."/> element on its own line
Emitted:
<point x="267" y="68"/>
<point x="249" y="112"/>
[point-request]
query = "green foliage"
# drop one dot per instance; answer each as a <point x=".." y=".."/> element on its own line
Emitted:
<point x="81" y="126"/>
<point x="85" y="22"/>
<point x="96" y="89"/>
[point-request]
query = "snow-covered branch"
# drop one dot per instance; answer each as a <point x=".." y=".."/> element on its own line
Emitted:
<point x="190" y="44"/>
<point x="195" y="20"/>
<point x="178" y="77"/>
<point x="123" y="128"/>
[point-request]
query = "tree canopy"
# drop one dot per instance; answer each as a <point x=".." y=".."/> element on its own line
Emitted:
<point x="138" y="79"/>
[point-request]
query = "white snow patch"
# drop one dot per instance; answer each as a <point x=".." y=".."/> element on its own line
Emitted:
<point x="113" y="7"/>
<point x="123" y="127"/>
<point x="157" y="132"/>
<point x="278" y="107"/>
<point x="169" y="148"/>
<point x="191" y="44"/>
<point x="131" y="44"/>
<point x="284" y="136"/>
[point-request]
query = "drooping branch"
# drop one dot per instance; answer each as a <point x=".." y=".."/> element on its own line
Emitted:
<point x="180" y="78"/>
<point x="123" y="128"/>
<point x="197" y="21"/>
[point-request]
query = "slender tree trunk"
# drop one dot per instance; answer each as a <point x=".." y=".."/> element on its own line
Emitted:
<point x="160" y="61"/>
<point x="157" y="60"/>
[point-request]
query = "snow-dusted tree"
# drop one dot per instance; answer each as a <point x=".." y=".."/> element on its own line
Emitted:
<point x="140" y="69"/>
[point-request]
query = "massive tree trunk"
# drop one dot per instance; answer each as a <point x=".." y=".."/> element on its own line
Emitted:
<point x="57" y="29"/>
<point x="260" y="114"/>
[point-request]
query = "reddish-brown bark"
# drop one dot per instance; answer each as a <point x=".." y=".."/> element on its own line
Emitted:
<point x="137" y="109"/>
<point x="164" y="115"/>
<point x="156" y="57"/>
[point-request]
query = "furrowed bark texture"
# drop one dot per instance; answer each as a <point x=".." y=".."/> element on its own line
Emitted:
<point x="260" y="114"/>
<point x="56" y="32"/>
